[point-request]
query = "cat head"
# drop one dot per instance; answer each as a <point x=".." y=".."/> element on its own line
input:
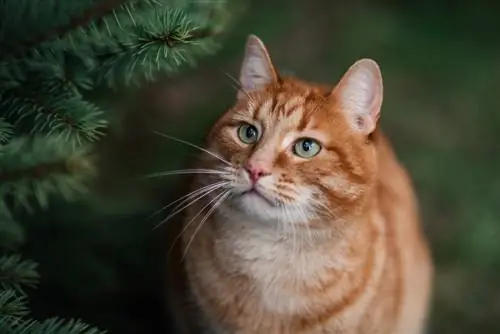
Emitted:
<point x="297" y="151"/>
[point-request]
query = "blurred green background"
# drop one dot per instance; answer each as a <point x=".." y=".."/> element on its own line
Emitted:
<point x="441" y="66"/>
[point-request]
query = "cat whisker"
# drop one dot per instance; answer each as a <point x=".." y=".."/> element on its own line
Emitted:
<point x="186" y="226"/>
<point x="214" y="187"/>
<point x="188" y="196"/>
<point x="289" y="229"/>
<point x="182" y="141"/>
<point x="187" y="171"/>
<point x="295" y="240"/>
<point x="219" y="199"/>
<point x="306" y="219"/>
<point x="325" y="209"/>
<point x="196" y="199"/>
<point x="281" y="220"/>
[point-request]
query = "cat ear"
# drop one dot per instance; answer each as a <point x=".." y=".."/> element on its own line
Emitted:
<point x="257" y="69"/>
<point x="360" y="94"/>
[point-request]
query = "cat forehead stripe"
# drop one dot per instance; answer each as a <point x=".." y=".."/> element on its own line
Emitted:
<point x="265" y="108"/>
<point x="294" y="102"/>
<point x="253" y="106"/>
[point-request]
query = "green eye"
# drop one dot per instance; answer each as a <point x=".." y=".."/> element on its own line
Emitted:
<point x="248" y="133"/>
<point x="306" y="148"/>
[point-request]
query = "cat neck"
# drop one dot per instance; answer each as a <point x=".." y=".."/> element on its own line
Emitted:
<point x="250" y="246"/>
<point x="249" y="257"/>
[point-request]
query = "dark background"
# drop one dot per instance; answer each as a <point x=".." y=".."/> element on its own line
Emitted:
<point x="101" y="260"/>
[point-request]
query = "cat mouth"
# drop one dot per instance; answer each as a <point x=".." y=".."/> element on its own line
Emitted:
<point x="255" y="192"/>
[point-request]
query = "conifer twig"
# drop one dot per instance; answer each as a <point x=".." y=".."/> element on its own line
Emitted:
<point x="101" y="9"/>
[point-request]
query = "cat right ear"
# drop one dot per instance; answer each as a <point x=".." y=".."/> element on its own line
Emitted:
<point x="360" y="93"/>
<point x="257" y="70"/>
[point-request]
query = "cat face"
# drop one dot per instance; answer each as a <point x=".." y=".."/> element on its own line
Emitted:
<point x="297" y="152"/>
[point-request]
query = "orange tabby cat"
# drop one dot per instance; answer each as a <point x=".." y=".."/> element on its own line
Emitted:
<point x="307" y="222"/>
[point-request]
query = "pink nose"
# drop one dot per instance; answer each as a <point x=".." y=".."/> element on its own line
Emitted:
<point x="256" y="172"/>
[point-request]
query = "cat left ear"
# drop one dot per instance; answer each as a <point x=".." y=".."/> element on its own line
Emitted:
<point x="257" y="70"/>
<point x="360" y="94"/>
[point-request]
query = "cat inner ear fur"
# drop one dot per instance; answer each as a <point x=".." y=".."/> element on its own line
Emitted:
<point x="360" y="94"/>
<point x="257" y="70"/>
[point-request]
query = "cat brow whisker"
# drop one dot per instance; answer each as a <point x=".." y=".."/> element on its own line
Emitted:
<point x="188" y="196"/>
<point x="196" y="199"/>
<point x="182" y="141"/>
<point x="237" y="85"/>
<point x="219" y="199"/>
<point x="236" y="88"/>
<point x="187" y="171"/>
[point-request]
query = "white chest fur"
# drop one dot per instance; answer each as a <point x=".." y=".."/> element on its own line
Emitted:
<point x="282" y="261"/>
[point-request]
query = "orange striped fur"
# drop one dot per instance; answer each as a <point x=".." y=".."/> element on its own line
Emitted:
<point x="325" y="244"/>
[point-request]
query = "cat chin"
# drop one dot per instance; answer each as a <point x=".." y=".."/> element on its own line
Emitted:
<point x="255" y="198"/>
<point x="252" y="207"/>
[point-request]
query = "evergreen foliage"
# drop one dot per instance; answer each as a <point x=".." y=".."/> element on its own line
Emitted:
<point x="53" y="53"/>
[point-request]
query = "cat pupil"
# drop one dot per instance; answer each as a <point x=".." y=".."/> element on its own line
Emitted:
<point x="251" y="132"/>
<point x="306" y="145"/>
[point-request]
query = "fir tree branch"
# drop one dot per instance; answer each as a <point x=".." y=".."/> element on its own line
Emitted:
<point x="11" y="75"/>
<point x="11" y="233"/>
<point x="6" y="131"/>
<point x="12" y="306"/>
<point x="50" y="101"/>
<point x="16" y="273"/>
<point x="42" y="166"/>
<point x="216" y="14"/>
<point x="65" y="16"/>
<point x="69" y="18"/>
<point x="24" y="20"/>
<point x="57" y="68"/>
<point x="51" y="51"/>
<point x="56" y="110"/>
<point x="129" y="41"/>
<point x="49" y="326"/>
<point x="96" y="11"/>
<point x="168" y="40"/>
